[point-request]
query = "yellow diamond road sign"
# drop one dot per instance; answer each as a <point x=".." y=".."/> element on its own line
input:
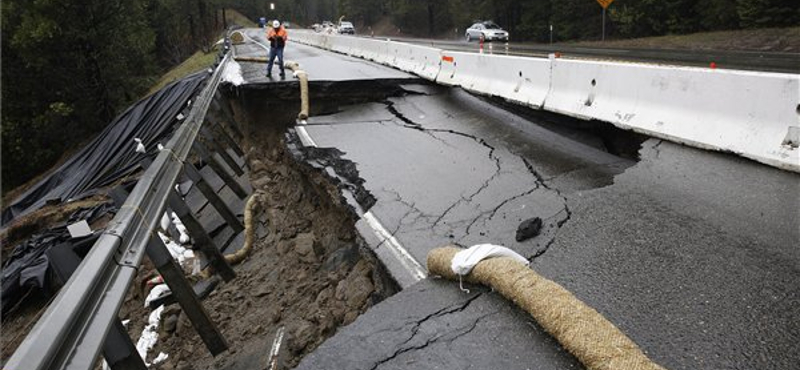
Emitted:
<point x="605" y="3"/>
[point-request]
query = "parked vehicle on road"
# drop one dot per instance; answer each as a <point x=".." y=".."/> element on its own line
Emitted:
<point x="347" y="28"/>
<point x="489" y="30"/>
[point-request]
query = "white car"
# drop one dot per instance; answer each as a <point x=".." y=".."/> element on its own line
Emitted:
<point x="489" y="30"/>
<point x="347" y="27"/>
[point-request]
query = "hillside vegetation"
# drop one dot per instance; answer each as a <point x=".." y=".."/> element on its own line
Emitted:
<point x="69" y="69"/>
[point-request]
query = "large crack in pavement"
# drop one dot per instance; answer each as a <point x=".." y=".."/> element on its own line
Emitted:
<point x="560" y="223"/>
<point x="411" y="124"/>
<point x="412" y="208"/>
<point x="487" y="215"/>
<point x="450" y="335"/>
<point x="462" y="229"/>
<point x="491" y="213"/>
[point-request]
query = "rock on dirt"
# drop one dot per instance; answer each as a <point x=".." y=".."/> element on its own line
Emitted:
<point x="309" y="271"/>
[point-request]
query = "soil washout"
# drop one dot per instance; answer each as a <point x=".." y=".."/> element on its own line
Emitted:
<point x="309" y="271"/>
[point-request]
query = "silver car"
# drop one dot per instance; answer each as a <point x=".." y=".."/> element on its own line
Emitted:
<point x="489" y="30"/>
<point x="347" y="27"/>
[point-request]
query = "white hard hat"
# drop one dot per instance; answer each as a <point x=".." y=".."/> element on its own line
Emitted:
<point x="276" y="23"/>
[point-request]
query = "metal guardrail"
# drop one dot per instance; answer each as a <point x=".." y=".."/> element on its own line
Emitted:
<point x="71" y="332"/>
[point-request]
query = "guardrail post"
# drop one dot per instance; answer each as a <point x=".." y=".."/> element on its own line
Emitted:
<point x="202" y="241"/>
<point x="228" y="123"/>
<point x="197" y="178"/>
<point x="228" y="139"/>
<point x="223" y="107"/>
<point x="119" y="351"/>
<point x="184" y="294"/>
<point x="171" y="229"/>
<point x="220" y="149"/>
<point x="217" y="167"/>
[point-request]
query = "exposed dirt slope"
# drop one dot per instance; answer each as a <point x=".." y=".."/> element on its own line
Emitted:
<point x="308" y="271"/>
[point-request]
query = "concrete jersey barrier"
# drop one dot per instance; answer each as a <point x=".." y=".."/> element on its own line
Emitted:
<point x="521" y="80"/>
<point x="747" y="113"/>
<point x="420" y="60"/>
<point x="752" y="114"/>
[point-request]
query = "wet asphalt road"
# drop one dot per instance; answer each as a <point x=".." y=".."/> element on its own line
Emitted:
<point x="693" y="254"/>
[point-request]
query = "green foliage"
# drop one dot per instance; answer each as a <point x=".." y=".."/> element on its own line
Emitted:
<point x="421" y="17"/>
<point x="768" y="13"/>
<point x="717" y="15"/>
<point x="362" y="11"/>
<point x="639" y="18"/>
<point x="68" y="68"/>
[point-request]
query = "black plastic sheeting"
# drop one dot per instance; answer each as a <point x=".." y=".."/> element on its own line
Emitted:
<point x="28" y="268"/>
<point x="112" y="154"/>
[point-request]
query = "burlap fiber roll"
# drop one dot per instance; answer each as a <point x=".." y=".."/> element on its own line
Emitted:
<point x="249" y="230"/>
<point x="592" y="339"/>
<point x="237" y="38"/>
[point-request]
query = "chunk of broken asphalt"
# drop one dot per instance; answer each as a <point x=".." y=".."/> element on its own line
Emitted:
<point x="529" y="228"/>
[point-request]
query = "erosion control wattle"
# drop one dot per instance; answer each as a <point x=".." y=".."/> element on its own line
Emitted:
<point x="237" y="38"/>
<point x="253" y="205"/>
<point x="590" y="337"/>
<point x="303" y="77"/>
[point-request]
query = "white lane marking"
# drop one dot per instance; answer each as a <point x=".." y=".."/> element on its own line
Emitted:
<point x="406" y="259"/>
<point x="305" y="138"/>
<point x="255" y="41"/>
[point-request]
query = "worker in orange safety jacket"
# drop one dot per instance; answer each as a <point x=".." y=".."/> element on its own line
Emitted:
<point x="277" y="38"/>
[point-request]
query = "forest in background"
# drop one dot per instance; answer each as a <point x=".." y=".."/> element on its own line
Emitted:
<point x="68" y="68"/>
<point x="530" y="20"/>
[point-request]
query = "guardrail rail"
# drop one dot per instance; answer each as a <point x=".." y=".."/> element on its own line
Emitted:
<point x="72" y="331"/>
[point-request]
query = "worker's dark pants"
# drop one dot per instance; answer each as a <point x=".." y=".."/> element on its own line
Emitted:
<point x="275" y="52"/>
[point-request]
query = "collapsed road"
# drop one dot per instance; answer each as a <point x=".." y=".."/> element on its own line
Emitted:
<point x="690" y="253"/>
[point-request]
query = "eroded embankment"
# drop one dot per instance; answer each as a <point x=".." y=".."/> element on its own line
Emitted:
<point x="309" y="271"/>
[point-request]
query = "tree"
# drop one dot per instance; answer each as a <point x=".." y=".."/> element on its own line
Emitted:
<point x="717" y="15"/>
<point x="67" y="70"/>
<point x="362" y="11"/>
<point x="576" y="19"/>
<point x="534" y="21"/>
<point x="421" y="18"/>
<point x="768" y="13"/>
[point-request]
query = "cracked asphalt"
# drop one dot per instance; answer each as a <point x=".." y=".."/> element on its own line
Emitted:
<point x="693" y="254"/>
<point x="445" y="168"/>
